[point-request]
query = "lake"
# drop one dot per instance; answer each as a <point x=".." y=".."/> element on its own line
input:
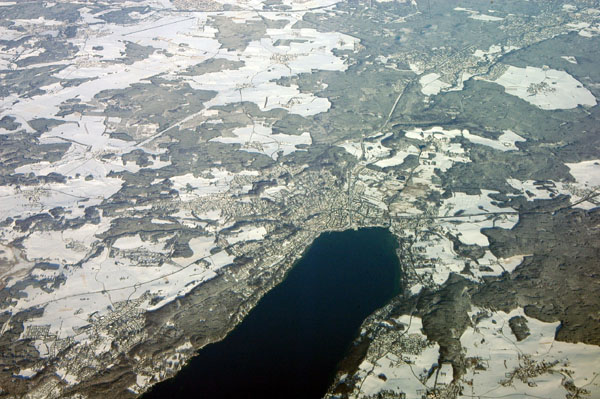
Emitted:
<point x="290" y="343"/>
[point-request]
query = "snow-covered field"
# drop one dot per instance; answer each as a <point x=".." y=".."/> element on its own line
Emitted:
<point x="260" y="138"/>
<point x="537" y="366"/>
<point x="431" y="84"/>
<point x="545" y="88"/>
<point x="479" y="16"/>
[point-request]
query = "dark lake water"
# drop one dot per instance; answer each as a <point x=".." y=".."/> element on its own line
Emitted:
<point x="290" y="343"/>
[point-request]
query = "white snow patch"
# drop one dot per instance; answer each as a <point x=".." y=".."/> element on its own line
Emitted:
<point x="247" y="233"/>
<point x="260" y="139"/>
<point x="136" y="242"/>
<point x="431" y="84"/>
<point x="27" y="373"/>
<point x="217" y="181"/>
<point x="476" y="212"/>
<point x="368" y="150"/>
<point x="511" y="263"/>
<point x="397" y="158"/>
<point x="493" y="342"/>
<point x="479" y="16"/>
<point x="494" y="51"/>
<point x="506" y="141"/>
<point x="586" y="173"/>
<point x="545" y="88"/>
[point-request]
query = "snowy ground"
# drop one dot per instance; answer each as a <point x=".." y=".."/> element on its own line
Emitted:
<point x="537" y="366"/>
<point x="404" y="371"/>
<point x="546" y="88"/>
<point x="499" y="364"/>
<point x="134" y="265"/>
